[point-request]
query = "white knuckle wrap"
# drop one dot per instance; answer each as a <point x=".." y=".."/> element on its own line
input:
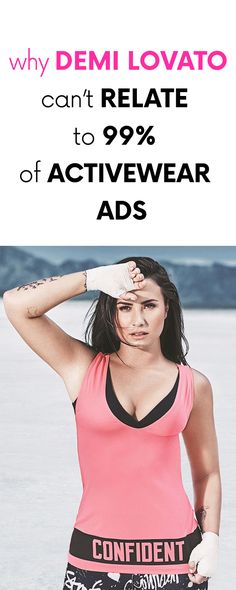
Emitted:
<point x="113" y="279"/>
<point x="205" y="555"/>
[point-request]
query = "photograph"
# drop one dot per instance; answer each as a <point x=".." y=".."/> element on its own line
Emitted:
<point x="99" y="488"/>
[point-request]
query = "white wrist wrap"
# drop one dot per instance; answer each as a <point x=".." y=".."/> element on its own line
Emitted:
<point x="205" y="554"/>
<point x="113" y="279"/>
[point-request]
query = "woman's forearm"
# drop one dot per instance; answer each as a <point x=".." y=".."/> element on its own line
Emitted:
<point x="36" y="298"/>
<point x="207" y="502"/>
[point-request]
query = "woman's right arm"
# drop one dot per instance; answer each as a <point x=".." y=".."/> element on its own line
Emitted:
<point x="26" y="307"/>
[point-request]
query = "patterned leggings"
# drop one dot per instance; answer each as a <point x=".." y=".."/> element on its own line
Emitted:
<point x="79" y="579"/>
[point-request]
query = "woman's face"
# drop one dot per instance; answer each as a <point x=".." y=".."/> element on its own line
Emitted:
<point x="141" y="322"/>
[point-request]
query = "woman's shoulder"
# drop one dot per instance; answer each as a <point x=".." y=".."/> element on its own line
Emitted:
<point x="202" y="386"/>
<point x="84" y="358"/>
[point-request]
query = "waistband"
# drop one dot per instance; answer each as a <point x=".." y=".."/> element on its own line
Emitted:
<point x="133" y="551"/>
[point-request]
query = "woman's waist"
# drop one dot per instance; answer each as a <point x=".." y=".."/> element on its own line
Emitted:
<point x="140" y="485"/>
<point x="134" y="506"/>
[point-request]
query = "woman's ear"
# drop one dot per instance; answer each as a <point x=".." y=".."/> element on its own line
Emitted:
<point x="167" y="309"/>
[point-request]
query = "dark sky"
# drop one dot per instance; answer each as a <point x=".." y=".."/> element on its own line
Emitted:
<point x="110" y="254"/>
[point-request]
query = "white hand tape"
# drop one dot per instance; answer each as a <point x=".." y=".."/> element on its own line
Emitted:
<point x="113" y="279"/>
<point x="205" y="554"/>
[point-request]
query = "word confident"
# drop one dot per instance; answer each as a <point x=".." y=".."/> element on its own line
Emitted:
<point x="129" y="172"/>
<point x="143" y="551"/>
<point x="149" y="60"/>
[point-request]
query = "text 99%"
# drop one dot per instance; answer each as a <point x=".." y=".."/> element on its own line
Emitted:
<point x="126" y="132"/>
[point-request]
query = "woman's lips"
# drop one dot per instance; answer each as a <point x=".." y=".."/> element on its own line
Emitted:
<point x="139" y="334"/>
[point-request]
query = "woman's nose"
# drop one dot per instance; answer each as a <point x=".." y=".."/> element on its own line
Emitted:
<point x="137" y="318"/>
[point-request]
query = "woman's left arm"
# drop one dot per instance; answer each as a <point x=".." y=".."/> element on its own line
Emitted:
<point x="201" y="444"/>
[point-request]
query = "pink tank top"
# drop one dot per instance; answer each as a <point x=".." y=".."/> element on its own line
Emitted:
<point x="134" y="515"/>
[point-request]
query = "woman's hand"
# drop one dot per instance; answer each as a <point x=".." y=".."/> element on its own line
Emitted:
<point x="116" y="280"/>
<point x="203" y="559"/>
<point x="137" y="278"/>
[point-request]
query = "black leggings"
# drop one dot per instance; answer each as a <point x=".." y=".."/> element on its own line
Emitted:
<point x="79" y="579"/>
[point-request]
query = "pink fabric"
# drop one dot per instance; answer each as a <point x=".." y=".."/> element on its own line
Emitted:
<point x="132" y="483"/>
<point x="127" y="569"/>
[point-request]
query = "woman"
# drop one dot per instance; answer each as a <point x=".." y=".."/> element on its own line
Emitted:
<point x="133" y="393"/>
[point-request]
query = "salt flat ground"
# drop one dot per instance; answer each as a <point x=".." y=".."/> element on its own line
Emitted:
<point x="40" y="479"/>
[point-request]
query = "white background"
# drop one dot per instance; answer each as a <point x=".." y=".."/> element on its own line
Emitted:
<point x="184" y="213"/>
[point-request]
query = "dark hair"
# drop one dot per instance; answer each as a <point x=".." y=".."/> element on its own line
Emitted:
<point x="101" y="329"/>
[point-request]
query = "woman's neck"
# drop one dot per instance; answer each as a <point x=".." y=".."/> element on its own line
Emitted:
<point x="139" y="357"/>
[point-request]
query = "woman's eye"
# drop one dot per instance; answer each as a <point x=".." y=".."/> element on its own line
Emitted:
<point x="128" y="307"/>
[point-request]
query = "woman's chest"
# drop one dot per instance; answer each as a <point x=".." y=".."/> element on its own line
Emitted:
<point x="140" y="391"/>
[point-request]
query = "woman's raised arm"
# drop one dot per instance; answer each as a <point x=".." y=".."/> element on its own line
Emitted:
<point x="26" y="306"/>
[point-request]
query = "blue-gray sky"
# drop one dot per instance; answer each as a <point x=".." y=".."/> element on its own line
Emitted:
<point x="110" y="254"/>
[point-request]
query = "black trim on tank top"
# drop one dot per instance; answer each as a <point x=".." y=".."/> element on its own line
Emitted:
<point x="157" y="412"/>
<point x="117" y="409"/>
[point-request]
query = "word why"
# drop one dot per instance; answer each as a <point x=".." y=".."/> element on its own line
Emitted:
<point x="29" y="62"/>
